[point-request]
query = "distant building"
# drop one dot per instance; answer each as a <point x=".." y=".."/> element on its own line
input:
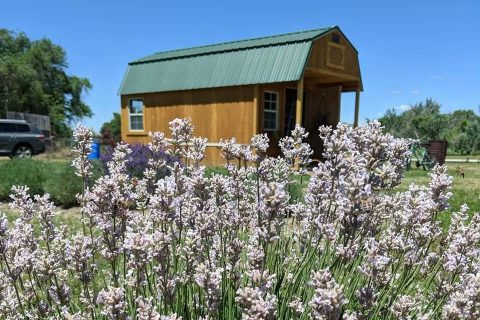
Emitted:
<point x="241" y="88"/>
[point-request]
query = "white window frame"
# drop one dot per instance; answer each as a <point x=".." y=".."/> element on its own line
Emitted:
<point x="270" y="110"/>
<point x="130" y="114"/>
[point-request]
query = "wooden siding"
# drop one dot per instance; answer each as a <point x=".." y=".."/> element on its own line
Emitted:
<point x="230" y="112"/>
<point x="220" y="113"/>
<point x="333" y="63"/>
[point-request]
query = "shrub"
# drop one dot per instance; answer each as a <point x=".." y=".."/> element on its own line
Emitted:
<point x="138" y="160"/>
<point x="21" y="172"/>
<point x="54" y="177"/>
<point x="221" y="247"/>
<point x="63" y="184"/>
<point x="210" y="171"/>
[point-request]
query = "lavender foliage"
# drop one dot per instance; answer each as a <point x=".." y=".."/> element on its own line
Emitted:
<point x="138" y="161"/>
<point x="237" y="246"/>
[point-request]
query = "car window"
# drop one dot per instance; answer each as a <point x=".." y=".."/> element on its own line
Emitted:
<point x="23" y="128"/>
<point x="34" y="129"/>
<point x="7" y="127"/>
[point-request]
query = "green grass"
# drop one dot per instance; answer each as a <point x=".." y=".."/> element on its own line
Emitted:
<point x="42" y="176"/>
<point x="57" y="178"/>
<point x="465" y="190"/>
<point x="69" y="217"/>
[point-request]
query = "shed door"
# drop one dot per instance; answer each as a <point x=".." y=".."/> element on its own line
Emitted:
<point x="291" y="110"/>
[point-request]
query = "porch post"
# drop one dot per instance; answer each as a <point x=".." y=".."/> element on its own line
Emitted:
<point x="357" y="107"/>
<point x="340" y="88"/>
<point x="299" y="108"/>
<point x="298" y="113"/>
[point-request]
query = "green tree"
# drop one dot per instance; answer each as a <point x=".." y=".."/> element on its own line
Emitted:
<point x="423" y="121"/>
<point x="33" y="79"/>
<point x="464" y="131"/>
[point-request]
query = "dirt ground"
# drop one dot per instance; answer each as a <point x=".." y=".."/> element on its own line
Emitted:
<point x="73" y="212"/>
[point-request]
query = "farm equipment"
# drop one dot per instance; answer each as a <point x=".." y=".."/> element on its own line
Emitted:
<point x="421" y="156"/>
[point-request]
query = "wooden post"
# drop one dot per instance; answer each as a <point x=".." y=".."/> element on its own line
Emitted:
<point x="339" y="104"/>
<point x="298" y="113"/>
<point x="357" y="107"/>
<point x="256" y="108"/>
<point x="299" y="108"/>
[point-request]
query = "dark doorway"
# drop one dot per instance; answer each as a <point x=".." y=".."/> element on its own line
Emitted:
<point x="291" y="110"/>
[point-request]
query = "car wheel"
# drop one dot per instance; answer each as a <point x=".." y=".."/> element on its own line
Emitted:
<point x="23" y="152"/>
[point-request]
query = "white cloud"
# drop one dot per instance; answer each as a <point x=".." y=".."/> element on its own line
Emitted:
<point x="402" y="107"/>
<point x="396" y="91"/>
<point x="414" y="91"/>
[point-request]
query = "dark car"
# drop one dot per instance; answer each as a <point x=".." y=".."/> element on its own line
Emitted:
<point x="20" y="139"/>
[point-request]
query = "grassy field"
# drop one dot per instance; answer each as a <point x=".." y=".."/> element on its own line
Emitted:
<point x="465" y="190"/>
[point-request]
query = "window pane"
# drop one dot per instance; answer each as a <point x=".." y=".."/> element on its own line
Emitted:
<point x="271" y="116"/>
<point x="270" y="101"/>
<point x="136" y="106"/>
<point x="34" y="129"/>
<point x="136" y="122"/>
<point x="7" y="127"/>
<point x="23" y="128"/>
<point x="136" y="114"/>
<point x="270" y="120"/>
<point x="270" y="106"/>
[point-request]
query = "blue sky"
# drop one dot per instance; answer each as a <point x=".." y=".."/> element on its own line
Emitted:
<point x="409" y="50"/>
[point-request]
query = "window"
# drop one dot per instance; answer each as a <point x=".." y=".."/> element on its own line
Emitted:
<point x="136" y="114"/>
<point x="7" y="127"/>
<point x="23" y="128"/>
<point x="270" y="110"/>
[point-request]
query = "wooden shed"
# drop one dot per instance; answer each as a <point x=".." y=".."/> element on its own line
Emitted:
<point x="241" y="88"/>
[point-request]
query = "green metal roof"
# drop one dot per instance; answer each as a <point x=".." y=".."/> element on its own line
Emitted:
<point x="263" y="60"/>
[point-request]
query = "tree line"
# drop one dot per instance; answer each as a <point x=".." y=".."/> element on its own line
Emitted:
<point x="34" y="79"/>
<point x="424" y="121"/>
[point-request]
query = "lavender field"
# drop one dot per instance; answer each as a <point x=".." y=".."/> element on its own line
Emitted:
<point x="357" y="244"/>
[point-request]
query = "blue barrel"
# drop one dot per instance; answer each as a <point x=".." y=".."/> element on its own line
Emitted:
<point x="95" y="154"/>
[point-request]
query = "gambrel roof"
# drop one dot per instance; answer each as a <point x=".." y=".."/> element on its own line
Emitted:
<point x="279" y="58"/>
